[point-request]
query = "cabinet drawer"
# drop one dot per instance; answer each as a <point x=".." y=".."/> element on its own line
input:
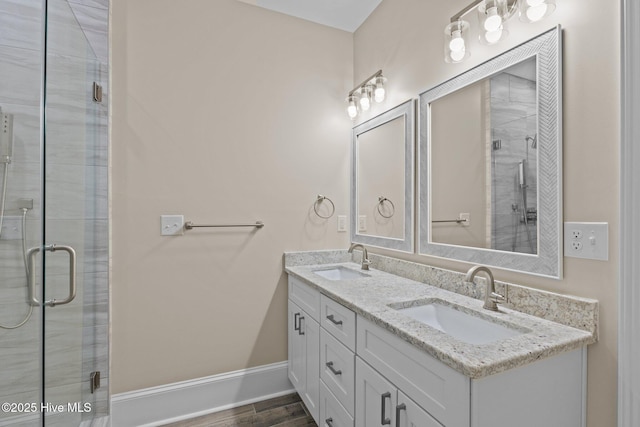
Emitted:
<point x="332" y="413"/>
<point x="339" y="321"/>
<point x="439" y="389"/>
<point x="305" y="296"/>
<point x="337" y="369"/>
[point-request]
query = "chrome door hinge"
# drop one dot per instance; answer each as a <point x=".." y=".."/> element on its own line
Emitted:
<point x="97" y="92"/>
<point x="94" y="381"/>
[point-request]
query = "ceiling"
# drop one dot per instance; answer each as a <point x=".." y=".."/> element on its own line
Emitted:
<point x="345" y="15"/>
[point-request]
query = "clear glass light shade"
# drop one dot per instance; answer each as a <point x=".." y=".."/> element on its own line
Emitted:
<point x="492" y="15"/>
<point x="379" y="92"/>
<point x="352" y="107"/>
<point x="492" y="21"/>
<point x="536" y="10"/>
<point x="456" y="43"/>
<point x="365" y="97"/>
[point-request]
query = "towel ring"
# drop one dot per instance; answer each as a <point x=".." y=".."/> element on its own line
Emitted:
<point x="381" y="201"/>
<point x="317" y="203"/>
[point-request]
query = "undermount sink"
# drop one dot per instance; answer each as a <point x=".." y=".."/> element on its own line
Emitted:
<point x="339" y="273"/>
<point x="459" y="324"/>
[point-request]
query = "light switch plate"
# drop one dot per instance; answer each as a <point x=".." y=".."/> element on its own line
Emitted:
<point x="171" y="225"/>
<point x="588" y="240"/>
<point x="362" y="223"/>
<point x="342" y="223"/>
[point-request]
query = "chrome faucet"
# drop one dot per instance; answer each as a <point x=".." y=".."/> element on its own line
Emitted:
<point x="365" y="255"/>
<point x="491" y="298"/>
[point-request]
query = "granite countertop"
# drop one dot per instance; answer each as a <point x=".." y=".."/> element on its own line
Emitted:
<point x="372" y="296"/>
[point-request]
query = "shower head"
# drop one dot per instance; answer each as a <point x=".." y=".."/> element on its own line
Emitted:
<point x="6" y="137"/>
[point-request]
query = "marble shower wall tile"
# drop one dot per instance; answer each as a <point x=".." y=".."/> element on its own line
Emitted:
<point x="513" y="115"/>
<point x="21" y="23"/>
<point x="94" y="22"/>
<point x="19" y="76"/>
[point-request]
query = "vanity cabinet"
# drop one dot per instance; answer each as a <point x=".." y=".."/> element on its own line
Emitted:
<point x="351" y="372"/>
<point x="549" y="392"/>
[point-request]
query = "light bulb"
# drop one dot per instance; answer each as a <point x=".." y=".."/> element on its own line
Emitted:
<point x="457" y="42"/>
<point x="493" y="36"/>
<point x="457" y="56"/>
<point x="379" y="91"/>
<point x="536" y="13"/>
<point x="365" y="103"/>
<point x="365" y="97"/>
<point x="352" y="108"/>
<point x="493" y="20"/>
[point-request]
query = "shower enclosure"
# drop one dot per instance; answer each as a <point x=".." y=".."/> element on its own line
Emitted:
<point x="53" y="215"/>
<point x="514" y="159"/>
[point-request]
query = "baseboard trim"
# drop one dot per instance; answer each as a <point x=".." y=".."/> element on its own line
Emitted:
<point x="187" y="399"/>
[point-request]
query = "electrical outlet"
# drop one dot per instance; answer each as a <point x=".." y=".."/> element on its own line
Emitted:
<point x="171" y="225"/>
<point x="588" y="240"/>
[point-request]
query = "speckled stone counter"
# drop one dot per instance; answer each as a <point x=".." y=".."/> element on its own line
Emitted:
<point x="373" y="297"/>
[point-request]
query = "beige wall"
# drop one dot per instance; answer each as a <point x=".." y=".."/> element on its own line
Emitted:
<point x="458" y="177"/>
<point x="405" y="39"/>
<point x="381" y="158"/>
<point x="222" y="112"/>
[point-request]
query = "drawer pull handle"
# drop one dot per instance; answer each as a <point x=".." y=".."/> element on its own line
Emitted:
<point x="383" y="416"/>
<point x="300" y="331"/>
<point x="332" y="369"/>
<point x="400" y="407"/>
<point x="329" y="422"/>
<point x="333" y="320"/>
<point x="296" y="326"/>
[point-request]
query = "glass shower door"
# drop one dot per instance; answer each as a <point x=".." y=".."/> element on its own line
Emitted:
<point x="53" y="219"/>
<point x="75" y="221"/>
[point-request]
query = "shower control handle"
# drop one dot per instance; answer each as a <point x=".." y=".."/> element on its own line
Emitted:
<point x="33" y="300"/>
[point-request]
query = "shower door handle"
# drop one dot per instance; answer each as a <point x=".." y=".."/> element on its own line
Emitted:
<point x="72" y="275"/>
<point x="33" y="300"/>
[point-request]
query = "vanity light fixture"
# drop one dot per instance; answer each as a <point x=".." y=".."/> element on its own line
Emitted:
<point x="360" y="98"/>
<point x="492" y="16"/>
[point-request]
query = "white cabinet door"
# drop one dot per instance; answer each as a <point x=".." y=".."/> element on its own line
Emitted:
<point x="409" y="414"/>
<point x="297" y="350"/>
<point x="311" y="397"/>
<point x="304" y="357"/>
<point x="375" y="398"/>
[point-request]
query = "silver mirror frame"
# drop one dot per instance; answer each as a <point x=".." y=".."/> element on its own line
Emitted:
<point x="547" y="47"/>
<point x="406" y="110"/>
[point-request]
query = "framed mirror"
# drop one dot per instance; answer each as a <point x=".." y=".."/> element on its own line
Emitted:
<point x="491" y="162"/>
<point x="382" y="176"/>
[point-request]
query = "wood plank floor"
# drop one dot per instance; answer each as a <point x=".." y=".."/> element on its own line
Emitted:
<point x="285" y="411"/>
